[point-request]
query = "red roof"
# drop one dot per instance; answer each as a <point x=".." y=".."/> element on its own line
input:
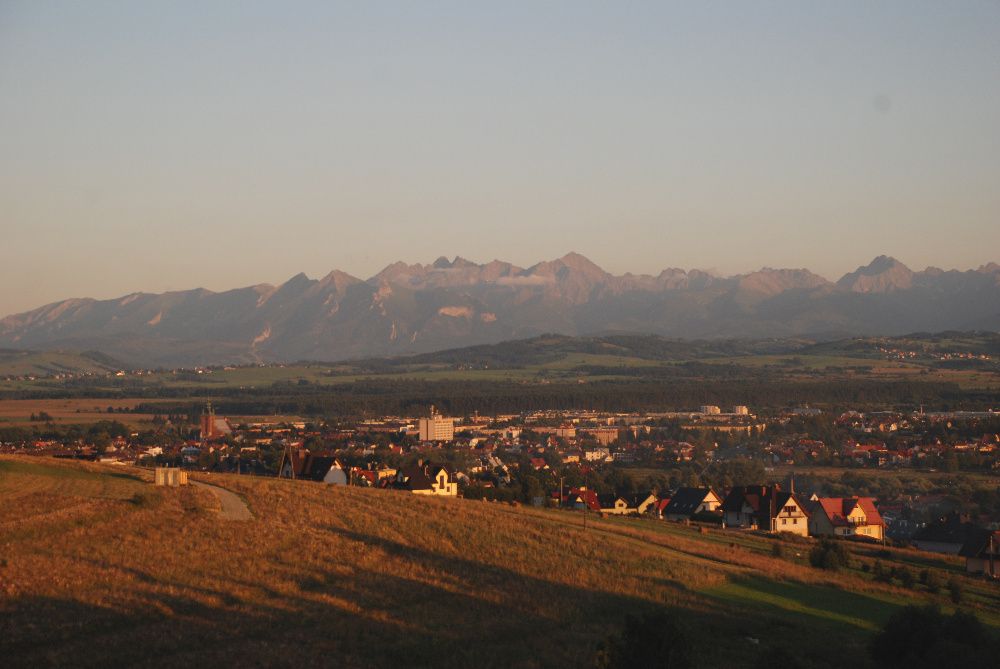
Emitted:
<point x="588" y="497"/>
<point x="838" y="508"/>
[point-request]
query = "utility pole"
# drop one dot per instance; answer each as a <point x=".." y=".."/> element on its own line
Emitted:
<point x="993" y="573"/>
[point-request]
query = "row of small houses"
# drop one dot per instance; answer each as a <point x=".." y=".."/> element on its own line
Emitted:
<point x="422" y="479"/>
<point x="771" y="509"/>
<point x="755" y="507"/>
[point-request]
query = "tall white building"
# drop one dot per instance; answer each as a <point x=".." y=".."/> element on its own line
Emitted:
<point x="437" y="428"/>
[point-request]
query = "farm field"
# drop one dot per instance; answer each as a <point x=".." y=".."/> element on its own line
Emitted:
<point x="102" y="569"/>
<point x="783" y="471"/>
<point x="44" y="363"/>
<point x="71" y="411"/>
<point x="86" y="411"/>
<point x="544" y="360"/>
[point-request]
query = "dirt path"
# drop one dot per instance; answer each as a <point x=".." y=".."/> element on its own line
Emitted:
<point x="233" y="508"/>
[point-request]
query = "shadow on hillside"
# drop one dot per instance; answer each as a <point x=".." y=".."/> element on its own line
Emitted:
<point x="123" y="475"/>
<point x="397" y="606"/>
<point x="823" y="604"/>
<point x="720" y="636"/>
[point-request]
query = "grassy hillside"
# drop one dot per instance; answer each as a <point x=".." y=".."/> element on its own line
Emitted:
<point x="100" y="569"/>
<point x="49" y="363"/>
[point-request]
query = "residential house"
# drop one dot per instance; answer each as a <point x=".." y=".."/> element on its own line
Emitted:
<point x="622" y="506"/>
<point x="660" y="505"/>
<point x="767" y="508"/>
<point x="582" y="499"/>
<point x="742" y="505"/>
<point x="539" y="464"/>
<point x="846" y="517"/>
<point x="785" y="513"/>
<point x="422" y="479"/>
<point x="981" y="551"/>
<point x="614" y="505"/>
<point x="946" y="535"/>
<point x="300" y="463"/>
<point x="688" y="502"/>
<point x="643" y="503"/>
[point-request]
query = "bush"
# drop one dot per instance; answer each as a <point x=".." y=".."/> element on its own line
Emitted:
<point x="654" y="640"/>
<point x="882" y="574"/>
<point x="775" y="658"/>
<point x="829" y="554"/>
<point x="778" y="549"/>
<point x="707" y="517"/>
<point x="142" y="499"/>
<point x="905" y="576"/>
<point x="923" y="637"/>
<point x="931" y="580"/>
<point x="956" y="589"/>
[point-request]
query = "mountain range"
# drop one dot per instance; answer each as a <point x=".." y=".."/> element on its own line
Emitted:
<point x="450" y="303"/>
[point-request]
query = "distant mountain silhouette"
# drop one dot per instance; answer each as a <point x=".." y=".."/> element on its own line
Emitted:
<point x="421" y="308"/>
<point x="882" y="275"/>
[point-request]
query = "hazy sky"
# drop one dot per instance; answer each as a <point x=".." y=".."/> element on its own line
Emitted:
<point x="170" y="145"/>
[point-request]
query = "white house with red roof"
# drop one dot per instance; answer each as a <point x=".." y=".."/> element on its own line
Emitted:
<point x="846" y="517"/>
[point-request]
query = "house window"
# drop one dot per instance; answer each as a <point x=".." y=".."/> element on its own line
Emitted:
<point x="789" y="509"/>
<point x="795" y="521"/>
<point x="784" y="521"/>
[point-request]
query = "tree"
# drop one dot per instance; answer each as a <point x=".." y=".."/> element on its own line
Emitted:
<point x="531" y="488"/>
<point x="656" y="640"/>
<point x="829" y="554"/>
<point x="923" y="637"/>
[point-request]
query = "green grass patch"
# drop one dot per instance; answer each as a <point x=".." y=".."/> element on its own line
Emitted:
<point x="821" y="604"/>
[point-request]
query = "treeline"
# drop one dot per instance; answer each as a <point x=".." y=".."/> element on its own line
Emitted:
<point x="372" y="397"/>
<point x="458" y="398"/>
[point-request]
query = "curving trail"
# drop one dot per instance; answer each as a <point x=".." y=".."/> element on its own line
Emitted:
<point x="233" y="508"/>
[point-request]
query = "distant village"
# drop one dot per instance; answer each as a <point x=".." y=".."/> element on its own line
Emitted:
<point x="588" y="462"/>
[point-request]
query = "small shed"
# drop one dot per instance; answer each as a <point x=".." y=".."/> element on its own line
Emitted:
<point x="170" y="476"/>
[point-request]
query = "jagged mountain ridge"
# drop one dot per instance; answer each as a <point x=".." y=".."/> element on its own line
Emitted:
<point x="420" y="308"/>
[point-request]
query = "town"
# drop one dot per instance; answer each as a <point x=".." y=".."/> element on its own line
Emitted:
<point x="799" y="471"/>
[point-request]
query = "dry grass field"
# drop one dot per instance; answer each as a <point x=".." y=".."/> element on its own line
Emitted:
<point x="88" y="411"/>
<point x="72" y="411"/>
<point x="98" y="568"/>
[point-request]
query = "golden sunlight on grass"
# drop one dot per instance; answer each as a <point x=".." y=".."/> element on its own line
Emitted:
<point x="102" y="569"/>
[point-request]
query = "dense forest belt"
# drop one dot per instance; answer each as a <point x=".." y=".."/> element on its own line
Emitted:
<point x="408" y="397"/>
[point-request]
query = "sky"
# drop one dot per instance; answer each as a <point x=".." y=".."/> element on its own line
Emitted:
<point x="166" y="146"/>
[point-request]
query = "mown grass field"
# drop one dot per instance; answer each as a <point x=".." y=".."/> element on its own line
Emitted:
<point x="98" y="568"/>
